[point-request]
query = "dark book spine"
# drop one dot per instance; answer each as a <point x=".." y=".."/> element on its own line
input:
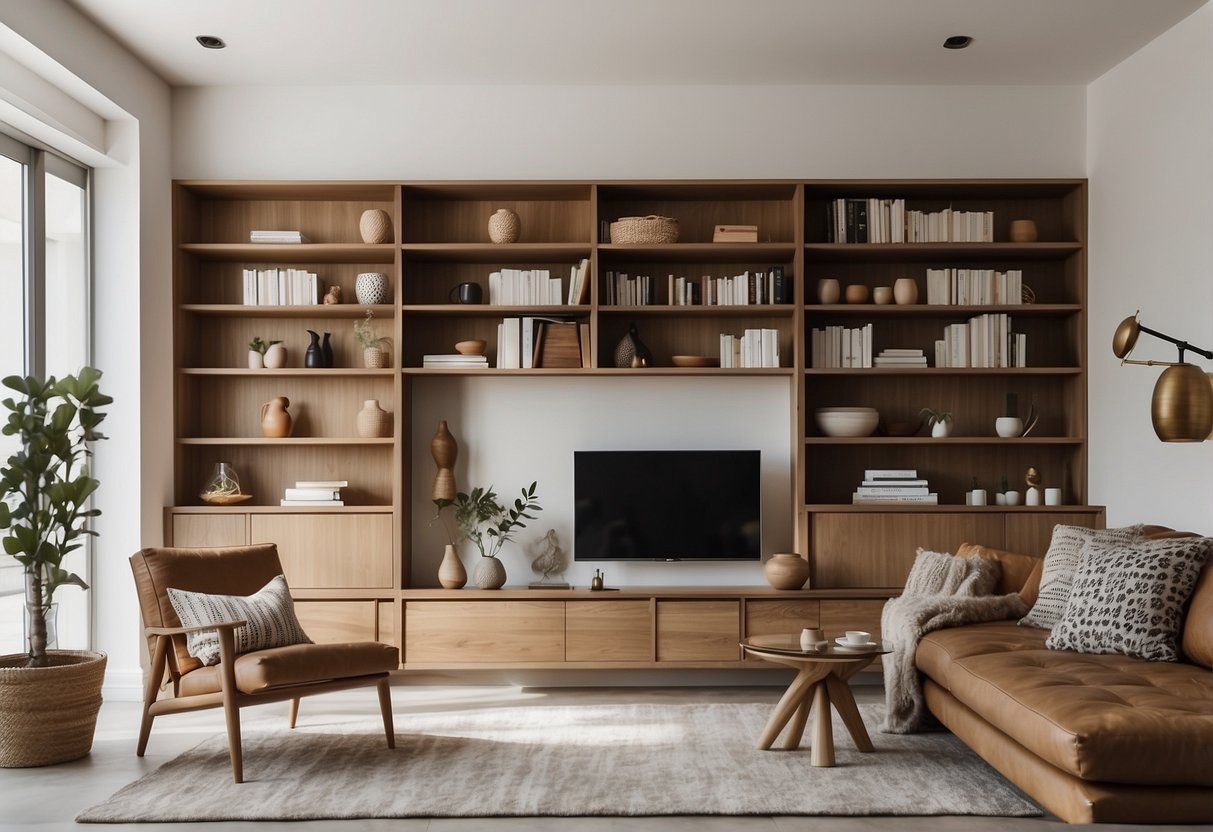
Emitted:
<point x="861" y="221"/>
<point x="851" y="221"/>
<point x="781" y="288"/>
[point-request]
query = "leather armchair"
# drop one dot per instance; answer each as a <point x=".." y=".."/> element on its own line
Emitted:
<point x="254" y="678"/>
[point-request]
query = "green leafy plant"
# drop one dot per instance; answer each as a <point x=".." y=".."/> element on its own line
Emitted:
<point x="364" y="333"/>
<point x="487" y="523"/>
<point x="257" y="345"/>
<point x="45" y="486"/>
<point x="935" y="417"/>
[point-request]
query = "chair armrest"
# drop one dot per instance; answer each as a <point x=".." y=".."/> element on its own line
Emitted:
<point x="180" y="631"/>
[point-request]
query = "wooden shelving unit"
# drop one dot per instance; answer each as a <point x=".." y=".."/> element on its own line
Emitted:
<point x="350" y="567"/>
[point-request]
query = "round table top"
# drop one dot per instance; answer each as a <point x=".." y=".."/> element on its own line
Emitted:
<point x="788" y="644"/>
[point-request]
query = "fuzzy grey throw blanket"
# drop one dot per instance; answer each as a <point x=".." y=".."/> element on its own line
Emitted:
<point x="941" y="591"/>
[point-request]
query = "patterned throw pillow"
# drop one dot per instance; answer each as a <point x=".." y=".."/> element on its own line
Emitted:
<point x="1130" y="599"/>
<point x="269" y="612"/>
<point x="1061" y="563"/>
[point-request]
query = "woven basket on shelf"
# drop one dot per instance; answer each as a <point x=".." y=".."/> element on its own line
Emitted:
<point x="47" y="714"/>
<point x="645" y="230"/>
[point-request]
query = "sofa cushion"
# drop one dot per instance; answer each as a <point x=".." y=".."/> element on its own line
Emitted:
<point x="1130" y="599"/>
<point x="269" y="614"/>
<point x="1061" y="562"/>
<point x="938" y="650"/>
<point x="1198" y="628"/>
<point x="1102" y="718"/>
<point x="299" y="663"/>
<point x="1016" y="568"/>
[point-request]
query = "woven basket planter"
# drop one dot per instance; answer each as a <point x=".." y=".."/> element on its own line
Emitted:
<point x="47" y="714"/>
<point x="648" y="230"/>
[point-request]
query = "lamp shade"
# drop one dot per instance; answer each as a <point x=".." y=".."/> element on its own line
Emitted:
<point x="1182" y="407"/>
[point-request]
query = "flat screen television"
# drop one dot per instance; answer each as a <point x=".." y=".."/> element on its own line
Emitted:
<point x="667" y="505"/>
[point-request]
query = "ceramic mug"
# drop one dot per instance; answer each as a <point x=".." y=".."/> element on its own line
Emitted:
<point x="467" y="293"/>
<point x="882" y="295"/>
<point x="858" y="637"/>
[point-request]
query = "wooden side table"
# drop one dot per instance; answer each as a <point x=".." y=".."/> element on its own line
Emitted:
<point x="821" y="679"/>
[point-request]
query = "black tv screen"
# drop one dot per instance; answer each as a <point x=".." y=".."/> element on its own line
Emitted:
<point x="667" y="505"/>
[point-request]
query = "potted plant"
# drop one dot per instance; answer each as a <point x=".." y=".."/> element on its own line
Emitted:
<point x="939" y="421"/>
<point x="490" y="525"/>
<point x="373" y="346"/>
<point x="256" y="353"/>
<point x="49" y="698"/>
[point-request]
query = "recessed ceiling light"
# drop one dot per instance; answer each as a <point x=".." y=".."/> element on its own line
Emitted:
<point x="211" y="41"/>
<point x="954" y="42"/>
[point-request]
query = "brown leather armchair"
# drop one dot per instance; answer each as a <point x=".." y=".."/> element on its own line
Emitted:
<point x="251" y="678"/>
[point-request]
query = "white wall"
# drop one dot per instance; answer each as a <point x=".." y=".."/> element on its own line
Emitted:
<point x="1150" y="160"/>
<point x="132" y="259"/>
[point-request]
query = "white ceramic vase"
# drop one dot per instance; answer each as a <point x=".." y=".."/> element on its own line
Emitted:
<point x="371" y="288"/>
<point x="490" y="574"/>
<point x="275" y="356"/>
<point x="941" y="430"/>
<point x="255" y="360"/>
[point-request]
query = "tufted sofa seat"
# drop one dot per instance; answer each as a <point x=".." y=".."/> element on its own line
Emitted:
<point x="1093" y="738"/>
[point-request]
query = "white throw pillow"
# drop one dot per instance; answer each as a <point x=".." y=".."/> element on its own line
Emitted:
<point x="269" y="611"/>
<point x="1131" y="599"/>
<point x="1061" y="562"/>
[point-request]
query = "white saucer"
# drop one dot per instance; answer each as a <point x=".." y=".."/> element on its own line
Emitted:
<point x="847" y="645"/>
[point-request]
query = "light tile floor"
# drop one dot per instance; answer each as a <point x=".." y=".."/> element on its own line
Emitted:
<point x="49" y="798"/>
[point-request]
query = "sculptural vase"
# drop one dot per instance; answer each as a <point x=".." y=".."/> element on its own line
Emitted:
<point x="786" y="571"/>
<point x="504" y="226"/>
<point x="631" y="351"/>
<point x="445" y="451"/>
<point x="276" y="422"/>
<point x="451" y="574"/>
<point x="371" y="288"/>
<point x="375" y="226"/>
<point x="314" y="357"/>
<point x="373" y="421"/>
<point x="490" y="574"/>
<point x="275" y="356"/>
<point x="326" y="350"/>
<point x="905" y="291"/>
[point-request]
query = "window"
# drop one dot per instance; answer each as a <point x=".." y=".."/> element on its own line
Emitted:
<point x="45" y="316"/>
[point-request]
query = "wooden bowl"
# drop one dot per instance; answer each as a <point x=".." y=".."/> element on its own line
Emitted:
<point x="694" y="361"/>
<point x="474" y="347"/>
<point x="225" y="499"/>
<point x="857" y="293"/>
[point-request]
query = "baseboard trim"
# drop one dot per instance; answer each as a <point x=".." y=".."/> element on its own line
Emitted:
<point x="123" y="686"/>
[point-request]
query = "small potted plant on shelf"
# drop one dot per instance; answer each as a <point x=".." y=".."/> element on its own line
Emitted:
<point x="256" y="353"/>
<point x="939" y="421"/>
<point x="49" y="698"/>
<point x="490" y="525"/>
<point x="374" y="346"/>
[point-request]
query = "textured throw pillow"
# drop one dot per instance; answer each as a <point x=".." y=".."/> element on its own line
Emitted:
<point x="1130" y="599"/>
<point x="934" y="573"/>
<point x="269" y="612"/>
<point x="1061" y="562"/>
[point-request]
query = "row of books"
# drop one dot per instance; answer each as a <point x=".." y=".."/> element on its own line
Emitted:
<point x="525" y="287"/>
<point x="894" y="485"/>
<point x="755" y="348"/>
<point x="531" y="342"/>
<point x="974" y="286"/>
<point x="875" y="220"/>
<point x="284" y="236"/>
<point x="984" y="341"/>
<point x="750" y="288"/>
<point x="834" y="347"/>
<point x="280" y="287"/>
<point x="315" y="493"/>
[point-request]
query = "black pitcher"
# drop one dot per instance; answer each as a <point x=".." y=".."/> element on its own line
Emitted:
<point x="326" y="350"/>
<point x="314" y="357"/>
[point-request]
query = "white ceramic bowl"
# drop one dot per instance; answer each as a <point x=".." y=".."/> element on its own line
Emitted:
<point x="847" y="421"/>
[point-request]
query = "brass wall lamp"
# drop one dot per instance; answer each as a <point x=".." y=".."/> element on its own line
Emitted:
<point x="1182" y="406"/>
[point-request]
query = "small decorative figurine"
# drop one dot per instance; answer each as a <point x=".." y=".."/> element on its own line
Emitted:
<point x="332" y="296"/>
<point x="548" y="561"/>
<point x="596" y="581"/>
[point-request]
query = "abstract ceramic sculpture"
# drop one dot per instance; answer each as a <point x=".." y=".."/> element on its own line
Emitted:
<point x="445" y="451"/>
<point x="276" y="422"/>
<point x="786" y="571"/>
<point x="631" y="351"/>
<point x="373" y="421"/>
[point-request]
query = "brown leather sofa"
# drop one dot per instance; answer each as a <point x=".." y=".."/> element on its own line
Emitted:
<point x="1092" y="738"/>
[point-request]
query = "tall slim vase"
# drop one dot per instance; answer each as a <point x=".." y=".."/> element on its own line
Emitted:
<point x="451" y="573"/>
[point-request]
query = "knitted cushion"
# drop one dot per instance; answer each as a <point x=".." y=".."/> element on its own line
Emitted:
<point x="269" y="612"/>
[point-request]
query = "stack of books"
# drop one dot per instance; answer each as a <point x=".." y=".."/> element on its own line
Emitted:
<point x="453" y="361"/>
<point x="894" y="485"/>
<point x="755" y="348"/>
<point x="315" y="493"/>
<point x="900" y="358"/>
<point x="866" y="220"/>
<point x="949" y="226"/>
<point x="277" y="237"/>
<point x="280" y="287"/>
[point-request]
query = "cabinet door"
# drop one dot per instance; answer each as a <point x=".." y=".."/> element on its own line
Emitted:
<point x="867" y="549"/>
<point x="337" y="621"/>
<point x="707" y="631"/>
<point x="608" y="631"/>
<point x="839" y="616"/>
<point x="490" y="632"/>
<point x="338" y="551"/>
<point x="203" y="530"/>
<point x="767" y="617"/>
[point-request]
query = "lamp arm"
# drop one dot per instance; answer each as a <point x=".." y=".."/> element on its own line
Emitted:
<point x="1182" y="345"/>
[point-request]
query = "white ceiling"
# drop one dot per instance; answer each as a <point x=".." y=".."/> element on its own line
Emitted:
<point x="310" y="42"/>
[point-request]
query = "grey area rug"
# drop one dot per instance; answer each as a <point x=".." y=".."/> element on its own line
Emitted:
<point x="635" y="759"/>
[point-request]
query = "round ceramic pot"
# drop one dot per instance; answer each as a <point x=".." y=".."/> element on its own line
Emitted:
<point x="504" y="226"/>
<point x="786" y="571"/>
<point x="490" y="574"/>
<point x="375" y="226"/>
<point x="371" y="288"/>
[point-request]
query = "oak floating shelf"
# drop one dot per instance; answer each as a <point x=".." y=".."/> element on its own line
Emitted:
<point x="285" y="442"/>
<point x="332" y="310"/>
<point x="381" y="253"/>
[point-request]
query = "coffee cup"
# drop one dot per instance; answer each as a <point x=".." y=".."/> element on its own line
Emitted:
<point x="466" y="293"/>
<point x="810" y="637"/>
<point x="857" y="637"/>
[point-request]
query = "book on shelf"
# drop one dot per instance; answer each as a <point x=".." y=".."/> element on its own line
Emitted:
<point x="583" y="337"/>
<point x="900" y="358"/>
<point x="325" y="494"/>
<point x="735" y="234"/>
<point x="950" y="226"/>
<point x="891" y="490"/>
<point x="840" y="347"/>
<point x="289" y="503"/>
<point x="930" y="499"/>
<point x="869" y="482"/>
<point x="280" y="287"/>
<point x="756" y="348"/>
<point x="579" y="283"/>
<point x="974" y="287"/>
<point x="453" y="361"/>
<point x="762" y="286"/>
<point x="325" y="484"/>
<point x="865" y="220"/>
<point x="525" y="287"/>
<point x="983" y="341"/>
<point x="890" y="474"/>
<point x="269" y="236"/>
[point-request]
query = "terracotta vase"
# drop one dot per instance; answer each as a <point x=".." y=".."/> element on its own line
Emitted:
<point x="373" y="421"/>
<point x="786" y="571"/>
<point x="451" y="574"/>
<point x="445" y="451"/>
<point x="1023" y="231"/>
<point x="504" y="226"/>
<point x="276" y="422"/>
<point x="905" y="291"/>
<point x="375" y="226"/>
<point x="490" y="574"/>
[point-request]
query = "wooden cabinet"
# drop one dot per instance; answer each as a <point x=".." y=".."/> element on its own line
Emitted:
<point x="339" y="621"/>
<point x="341" y="551"/>
<point x="608" y="631"/>
<point x="488" y="632"/>
<point x="689" y="631"/>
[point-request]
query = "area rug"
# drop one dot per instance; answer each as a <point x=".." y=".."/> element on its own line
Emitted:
<point x="532" y="760"/>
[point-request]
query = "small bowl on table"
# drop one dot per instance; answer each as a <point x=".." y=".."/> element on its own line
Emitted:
<point x="847" y="421"/>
